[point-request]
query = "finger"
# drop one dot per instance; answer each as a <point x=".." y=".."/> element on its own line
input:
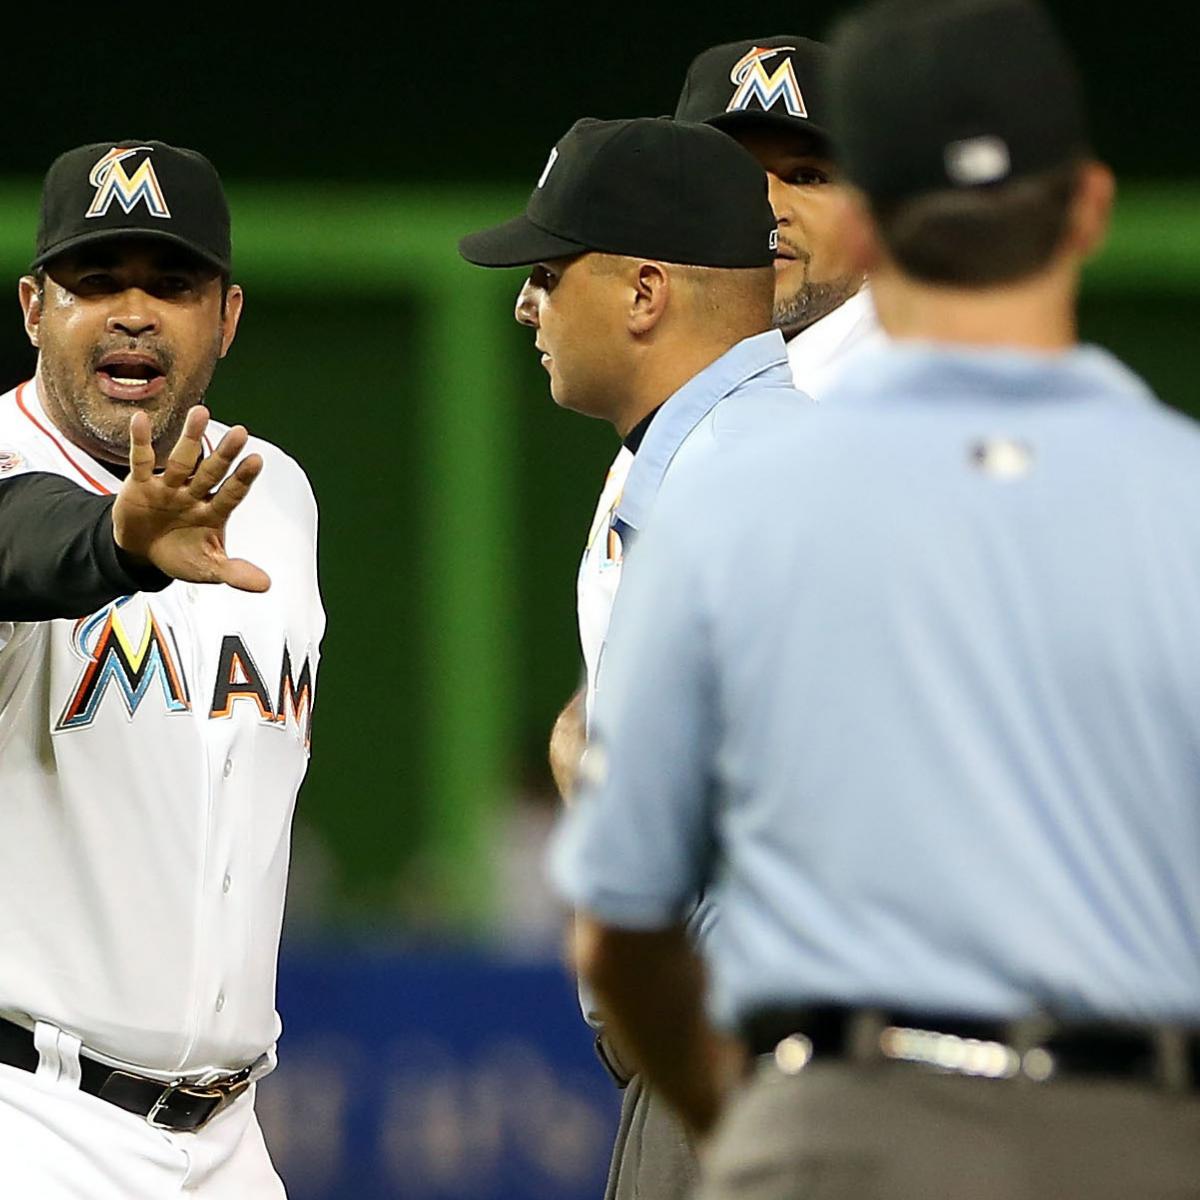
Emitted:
<point x="244" y="576"/>
<point x="235" y="489"/>
<point x="141" y="452"/>
<point x="182" y="460"/>
<point x="216" y="466"/>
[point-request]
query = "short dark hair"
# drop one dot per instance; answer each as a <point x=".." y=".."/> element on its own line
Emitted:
<point x="975" y="237"/>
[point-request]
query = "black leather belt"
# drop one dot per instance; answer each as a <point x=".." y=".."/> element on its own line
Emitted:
<point x="1037" y="1048"/>
<point x="180" y="1106"/>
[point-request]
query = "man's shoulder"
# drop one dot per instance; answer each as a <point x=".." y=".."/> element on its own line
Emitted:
<point x="749" y="413"/>
<point x="281" y="472"/>
<point x="736" y="425"/>
<point x="1168" y="439"/>
<point x="22" y="448"/>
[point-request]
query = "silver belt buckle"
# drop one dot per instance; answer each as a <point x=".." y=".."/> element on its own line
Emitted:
<point x="224" y="1089"/>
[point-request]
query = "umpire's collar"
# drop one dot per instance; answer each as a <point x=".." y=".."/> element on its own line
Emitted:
<point x="754" y="357"/>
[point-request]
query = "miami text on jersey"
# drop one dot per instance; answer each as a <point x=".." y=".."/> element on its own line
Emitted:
<point x="238" y="678"/>
<point x="116" y="661"/>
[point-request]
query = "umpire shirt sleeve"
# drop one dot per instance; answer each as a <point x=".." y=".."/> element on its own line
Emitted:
<point x="58" y="557"/>
<point x="637" y="847"/>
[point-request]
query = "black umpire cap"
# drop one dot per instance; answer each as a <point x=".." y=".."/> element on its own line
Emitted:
<point x="133" y="188"/>
<point x="930" y="95"/>
<point x="649" y="187"/>
<point x="777" y="82"/>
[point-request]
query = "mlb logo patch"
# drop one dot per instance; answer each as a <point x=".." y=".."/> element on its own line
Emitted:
<point x="10" y="460"/>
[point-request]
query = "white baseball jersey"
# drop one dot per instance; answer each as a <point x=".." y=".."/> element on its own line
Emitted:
<point x="819" y="353"/>
<point x="600" y="571"/>
<point x="150" y="756"/>
<point x="816" y="355"/>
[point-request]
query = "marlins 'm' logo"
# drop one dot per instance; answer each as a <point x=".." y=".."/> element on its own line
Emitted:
<point x="753" y="82"/>
<point x="131" y="668"/>
<point x="112" y="182"/>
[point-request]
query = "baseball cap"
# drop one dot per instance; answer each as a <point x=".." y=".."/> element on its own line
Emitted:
<point x="774" y="81"/>
<point x="133" y="187"/>
<point x="648" y="187"/>
<point x="929" y="95"/>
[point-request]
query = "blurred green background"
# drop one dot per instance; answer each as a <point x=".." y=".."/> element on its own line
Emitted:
<point x="454" y="495"/>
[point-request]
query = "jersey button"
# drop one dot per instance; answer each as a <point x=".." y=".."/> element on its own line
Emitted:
<point x="227" y="770"/>
<point x="220" y="1001"/>
<point x="226" y="884"/>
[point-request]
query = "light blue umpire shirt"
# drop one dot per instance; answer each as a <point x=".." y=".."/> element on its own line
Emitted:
<point x="755" y="369"/>
<point x="913" y="686"/>
<point x="751" y="386"/>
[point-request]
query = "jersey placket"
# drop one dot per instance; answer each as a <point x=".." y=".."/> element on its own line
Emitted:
<point x="223" y="935"/>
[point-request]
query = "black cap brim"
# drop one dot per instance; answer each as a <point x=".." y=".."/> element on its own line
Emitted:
<point x="112" y="235"/>
<point x="516" y="243"/>
<point x="733" y="122"/>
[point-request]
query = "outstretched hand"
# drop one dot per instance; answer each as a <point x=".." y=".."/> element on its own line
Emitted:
<point x="176" y="519"/>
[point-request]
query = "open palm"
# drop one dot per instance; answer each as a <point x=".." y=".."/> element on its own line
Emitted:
<point x="176" y="519"/>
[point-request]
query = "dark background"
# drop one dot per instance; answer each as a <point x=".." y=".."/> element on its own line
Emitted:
<point x="480" y="91"/>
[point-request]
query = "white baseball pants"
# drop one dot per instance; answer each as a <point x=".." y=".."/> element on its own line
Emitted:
<point x="58" y="1143"/>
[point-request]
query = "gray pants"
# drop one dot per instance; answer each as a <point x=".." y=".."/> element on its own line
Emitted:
<point x="840" y="1131"/>
<point x="653" y="1158"/>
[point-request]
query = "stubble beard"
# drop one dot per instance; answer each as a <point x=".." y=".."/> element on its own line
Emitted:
<point x="101" y="426"/>
<point x="812" y="301"/>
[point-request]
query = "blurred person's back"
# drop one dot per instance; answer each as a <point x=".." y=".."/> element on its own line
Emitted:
<point x="979" y="655"/>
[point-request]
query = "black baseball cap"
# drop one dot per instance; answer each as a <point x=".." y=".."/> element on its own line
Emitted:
<point x="133" y="188"/>
<point x="649" y="187"/>
<point x="930" y="95"/>
<point x="774" y="81"/>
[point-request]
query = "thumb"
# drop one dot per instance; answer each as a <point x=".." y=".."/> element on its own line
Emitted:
<point x="243" y="575"/>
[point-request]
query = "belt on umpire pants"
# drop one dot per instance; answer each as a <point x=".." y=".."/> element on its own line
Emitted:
<point x="1038" y="1048"/>
<point x="179" y="1106"/>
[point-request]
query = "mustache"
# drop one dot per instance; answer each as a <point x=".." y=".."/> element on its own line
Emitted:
<point x="801" y="255"/>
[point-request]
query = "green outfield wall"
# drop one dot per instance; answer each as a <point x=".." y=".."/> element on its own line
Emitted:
<point x="454" y="497"/>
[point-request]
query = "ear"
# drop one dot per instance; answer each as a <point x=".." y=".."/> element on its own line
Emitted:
<point x="234" y="299"/>
<point x="1091" y="208"/>
<point x="31" y="306"/>
<point x="651" y="297"/>
<point x="859" y="234"/>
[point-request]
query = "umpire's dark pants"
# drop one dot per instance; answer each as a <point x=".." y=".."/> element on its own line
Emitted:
<point x="893" y="1131"/>
<point x="653" y="1158"/>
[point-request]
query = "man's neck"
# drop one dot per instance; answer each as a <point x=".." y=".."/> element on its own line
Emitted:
<point x="1035" y="314"/>
<point x="663" y="370"/>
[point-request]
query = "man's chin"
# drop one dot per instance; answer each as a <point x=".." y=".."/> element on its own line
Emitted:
<point x="810" y="304"/>
<point x="108" y="426"/>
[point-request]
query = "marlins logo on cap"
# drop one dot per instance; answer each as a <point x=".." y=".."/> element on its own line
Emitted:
<point x="753" y="82"/>
<point x="118" y="188"/>
<point x="109" y="178"/>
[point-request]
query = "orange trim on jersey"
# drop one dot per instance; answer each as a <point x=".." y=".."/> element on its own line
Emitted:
<point x="246" y="692"/>
<point x="208" y="446"/>
<point x="61" y="448"/>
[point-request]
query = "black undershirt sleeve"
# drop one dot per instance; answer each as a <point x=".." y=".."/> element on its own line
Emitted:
<point x="57" y="553"/>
